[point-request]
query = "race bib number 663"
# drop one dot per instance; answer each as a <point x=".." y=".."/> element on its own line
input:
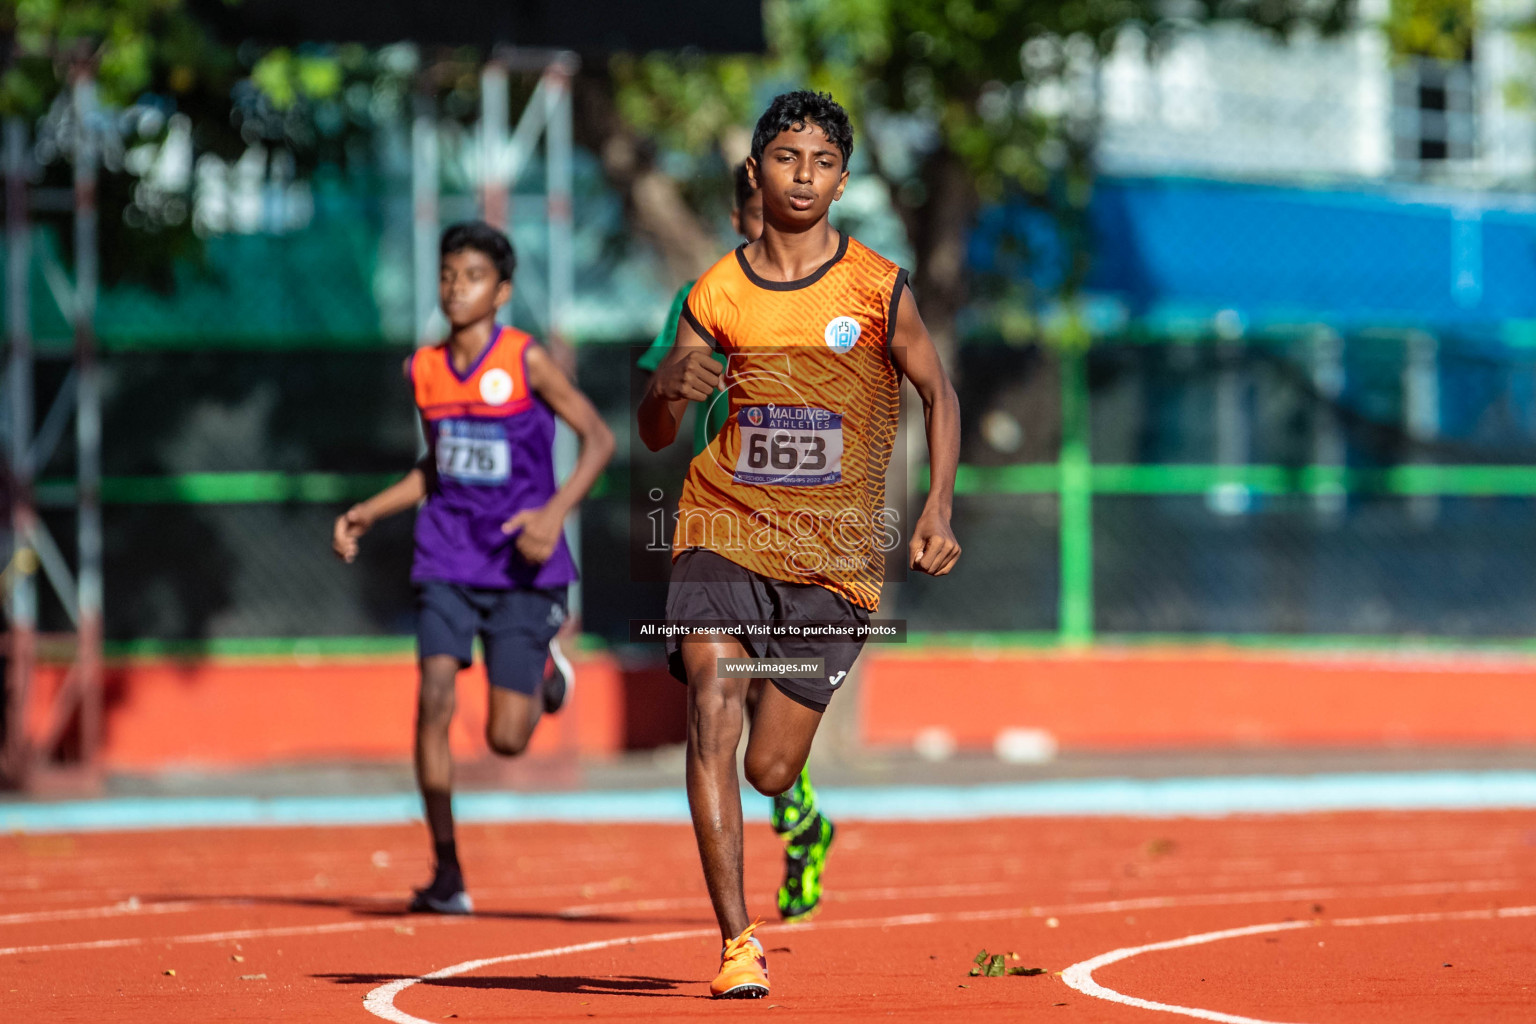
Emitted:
<point x="791" y="446"/>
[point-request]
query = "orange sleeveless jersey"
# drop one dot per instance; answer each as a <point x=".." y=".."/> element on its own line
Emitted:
<point x="793" y="487"/>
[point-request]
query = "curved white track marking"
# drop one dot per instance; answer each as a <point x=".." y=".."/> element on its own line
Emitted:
<point x="1080" y="975"/>
<point x="381" y="1001"/>
<point x="246" y="933"/>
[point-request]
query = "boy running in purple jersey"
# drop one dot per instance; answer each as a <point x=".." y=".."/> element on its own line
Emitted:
<point x="491" y="558"/>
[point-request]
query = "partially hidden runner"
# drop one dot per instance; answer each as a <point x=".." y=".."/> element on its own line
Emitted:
<point x="491" y="558"/>
<point x="783" y="518"/>
<point x="805" y="830"/>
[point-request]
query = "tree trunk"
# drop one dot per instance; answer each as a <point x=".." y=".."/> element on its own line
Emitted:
<point x="937" y="228"/>
<point x="655" y="207"/>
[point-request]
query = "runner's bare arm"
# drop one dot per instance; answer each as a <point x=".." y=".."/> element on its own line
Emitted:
<point x="538" y="529"/>
<point x="407" y="492"/>
<point x="688" y="374"/>
<point x="933" y="547"/>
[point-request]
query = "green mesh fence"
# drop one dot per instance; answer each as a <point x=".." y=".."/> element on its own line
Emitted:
<point x="224" y="470"/>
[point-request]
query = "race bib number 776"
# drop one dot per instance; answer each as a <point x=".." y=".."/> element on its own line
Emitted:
<point x="473" y="453"/>
<point x="790" y="446"/>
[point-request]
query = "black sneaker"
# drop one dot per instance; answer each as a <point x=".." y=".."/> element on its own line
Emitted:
<point x="445" y="895"/>
<point x="559" y="679"/>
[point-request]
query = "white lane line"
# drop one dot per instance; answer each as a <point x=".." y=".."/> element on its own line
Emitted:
<point x="1449" y="915"/>
<point x="844" y="895"/>
<point x="1080" y="975"/>
<point x="127" y="908"/>
<point x="245" y="933"/>
<point x="130" y="907"/>
<point x="581" y="910"/>
<point x="308" y="889"/>
<point x="629" y="906"/>
<point x="1279" y="896"/>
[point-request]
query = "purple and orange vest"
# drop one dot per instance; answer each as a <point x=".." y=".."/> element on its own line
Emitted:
<point x="490" y="445"/>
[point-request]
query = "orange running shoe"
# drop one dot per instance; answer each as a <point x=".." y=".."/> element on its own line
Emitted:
<point x="743" y="968"/>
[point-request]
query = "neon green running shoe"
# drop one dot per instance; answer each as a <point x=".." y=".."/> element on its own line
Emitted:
<point x="795" y="806"/>
<point x="805" y="857"/>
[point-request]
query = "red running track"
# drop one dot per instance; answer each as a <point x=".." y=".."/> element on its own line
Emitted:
<point x="1365" y="917"/>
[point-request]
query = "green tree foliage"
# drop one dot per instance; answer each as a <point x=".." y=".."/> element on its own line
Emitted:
<point x="956" y="101"/>
<point x="1431" y="28"/>
<point x="131" y="45"/>
<point x="151" y="59"/>
<point x="148" y="58"/>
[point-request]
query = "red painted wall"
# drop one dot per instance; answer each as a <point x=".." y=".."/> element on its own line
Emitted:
<point x="232" y="713"/>
<point x="1217" y="697"/>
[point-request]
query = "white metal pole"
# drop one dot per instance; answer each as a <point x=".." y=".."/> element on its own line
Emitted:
<point x="562" y="271"/>
<point x="425" y="215"/>
<point x="494" y="102"/>
<point x="22" y="585"/>
<point x="88" y="418"/>
<point x="23" y="589"/>
<point x="1232" y="432"/>
<point x="1421" y="411"/>
<point x="1328" y="435"/>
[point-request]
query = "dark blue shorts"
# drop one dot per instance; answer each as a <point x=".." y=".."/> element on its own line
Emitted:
<point x="515" y="627"/>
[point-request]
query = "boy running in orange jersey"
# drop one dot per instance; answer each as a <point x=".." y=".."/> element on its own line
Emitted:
<point x="783" y="517"/>
<point x="491" y="558"/>
<point x="806" y="831"/>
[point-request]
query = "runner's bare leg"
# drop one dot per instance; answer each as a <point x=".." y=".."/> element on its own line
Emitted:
<point x="781" y="737"/>
<point x="434" y="763"/>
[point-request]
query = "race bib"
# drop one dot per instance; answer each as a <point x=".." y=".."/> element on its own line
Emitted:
<point x="791" y="446"/>
<point x="473" y="453"/>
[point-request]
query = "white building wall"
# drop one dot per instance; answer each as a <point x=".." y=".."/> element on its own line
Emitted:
<point x="1229" y="101"/>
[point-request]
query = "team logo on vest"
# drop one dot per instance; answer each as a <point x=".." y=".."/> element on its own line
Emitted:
<point x="755" y="416"/>
<point x="842" y="333"/>
<point x="496" y="386"/>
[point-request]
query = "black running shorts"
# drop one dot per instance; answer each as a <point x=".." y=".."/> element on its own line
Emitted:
<point x="707" y="587"/>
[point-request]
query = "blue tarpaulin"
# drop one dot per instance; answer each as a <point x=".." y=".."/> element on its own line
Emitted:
<point x="1178" y="250"/>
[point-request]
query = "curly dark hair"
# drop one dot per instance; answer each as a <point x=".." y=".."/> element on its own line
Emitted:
<point x="792" y="111"/>
<point x="481" y="237"/>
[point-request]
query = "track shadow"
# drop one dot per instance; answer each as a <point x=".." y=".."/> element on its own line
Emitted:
<point x="363" y="906"/>
<point x="614" y="985"/>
